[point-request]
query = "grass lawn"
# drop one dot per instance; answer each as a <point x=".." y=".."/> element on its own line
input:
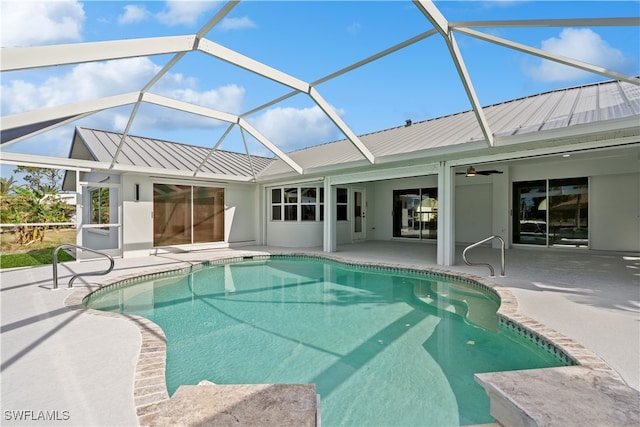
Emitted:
<point x="38" y="253"/>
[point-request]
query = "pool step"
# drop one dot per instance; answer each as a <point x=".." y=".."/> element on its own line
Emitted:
<point x="469" y="303"/>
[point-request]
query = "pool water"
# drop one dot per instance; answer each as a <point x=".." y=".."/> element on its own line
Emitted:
<point x="382" y="347"/>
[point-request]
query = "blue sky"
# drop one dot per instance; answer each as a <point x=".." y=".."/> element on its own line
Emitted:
<point x="307" y="40"/>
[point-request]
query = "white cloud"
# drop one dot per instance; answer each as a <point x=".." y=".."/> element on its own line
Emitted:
<point x="581" y="44"/>
<point x="27" y="23"/>
<point x="97" y="80"/>
<point x="184" y="12"/>
<point x="292" y="128"/>
<point x="354" y="27"/>
<point x="133" y="14"/>
<point x="237" y="23"/>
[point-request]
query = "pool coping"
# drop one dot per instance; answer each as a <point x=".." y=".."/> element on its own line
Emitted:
<point x="150" y="392"/>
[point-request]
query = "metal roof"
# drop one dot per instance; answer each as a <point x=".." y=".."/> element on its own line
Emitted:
<point x="565" y="108"/>
<point x="102" y="146"/>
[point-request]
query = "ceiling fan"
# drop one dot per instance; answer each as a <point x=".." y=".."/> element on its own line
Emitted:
<point x="471" y="171"/>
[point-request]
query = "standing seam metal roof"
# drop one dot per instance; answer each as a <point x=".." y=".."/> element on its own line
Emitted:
<point x="550" y="110"/>
<point x="147" y="152"/>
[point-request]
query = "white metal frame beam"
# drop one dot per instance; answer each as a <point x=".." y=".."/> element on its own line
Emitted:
<point x="335" y="118"/>
<point x="239" y="60"/>
<point x="46" y="129"/>
<point x="272" y="147"/>
<point x="550" y="56"/>
<point x="62" y="111"/>
<point x="24" y="58"/>
<point x="431" y="12"/>
<point x="528" y="23"/>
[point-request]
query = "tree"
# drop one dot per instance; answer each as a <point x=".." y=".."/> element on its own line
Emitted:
<point x="33" y="206"/>
<point x="36" y="202"/>
<point x="48" y="181"/>
<point x="6" y="186"/>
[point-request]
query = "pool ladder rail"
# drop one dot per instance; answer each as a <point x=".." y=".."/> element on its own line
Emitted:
<point x="493" y="274"/>
<point x="75" y="276"/>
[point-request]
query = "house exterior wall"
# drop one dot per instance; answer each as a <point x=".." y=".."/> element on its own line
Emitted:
<point x="241" y="208"/>
<point x="615" y="212"/>
<point x="474" y="208"/>
<point x="103" y="239"/>
<point x="137" y="221"/>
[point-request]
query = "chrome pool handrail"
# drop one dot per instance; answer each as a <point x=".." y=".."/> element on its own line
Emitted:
<point x="493" y="274"/>
<point x="75" y="276"/>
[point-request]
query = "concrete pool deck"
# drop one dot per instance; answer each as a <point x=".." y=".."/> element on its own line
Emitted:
<point x="80" y="369"/>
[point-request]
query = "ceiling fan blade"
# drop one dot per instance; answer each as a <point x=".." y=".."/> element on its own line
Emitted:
<point x="488" y="172"/>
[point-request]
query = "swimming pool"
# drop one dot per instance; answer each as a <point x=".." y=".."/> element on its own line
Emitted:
<point x="384" y="347"/>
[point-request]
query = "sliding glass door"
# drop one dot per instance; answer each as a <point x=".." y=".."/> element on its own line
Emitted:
<point x="551" y="212"/>
<point x="183" y="214"/>
<point x="415" y="213"/>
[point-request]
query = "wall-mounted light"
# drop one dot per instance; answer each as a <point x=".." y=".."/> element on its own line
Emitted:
<point x="136" y="192"/>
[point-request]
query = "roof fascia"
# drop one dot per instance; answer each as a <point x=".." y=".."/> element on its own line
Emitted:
<point x="550" y="56"/>
<point x="386" y="173"/>
<point x="431" y="12"/>
<point x="626" y="126"/>
<point x="24" y="58"/>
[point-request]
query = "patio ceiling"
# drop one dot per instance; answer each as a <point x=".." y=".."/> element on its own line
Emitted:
<point x="21" y="126"/>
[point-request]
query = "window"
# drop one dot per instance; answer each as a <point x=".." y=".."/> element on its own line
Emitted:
<point x="99" y="206"/>
<point x="551" y="212"/>
<point x="183" y="214"/>
<point x="342" y="199"/>
<point x="290" y="204"/>
<point x="297" y="204"/>
<point x="415" y="213"/>
<point x="308" y="203"/>
<point x="276" y="204"/>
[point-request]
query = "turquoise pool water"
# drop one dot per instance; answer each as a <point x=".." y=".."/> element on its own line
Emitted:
<point x="383" y="347"/>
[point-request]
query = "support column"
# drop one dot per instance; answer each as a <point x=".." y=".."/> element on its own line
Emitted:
<point x="446" y="215"/>
<point x="79" y="208"/>
<point x="329" y="227"/>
